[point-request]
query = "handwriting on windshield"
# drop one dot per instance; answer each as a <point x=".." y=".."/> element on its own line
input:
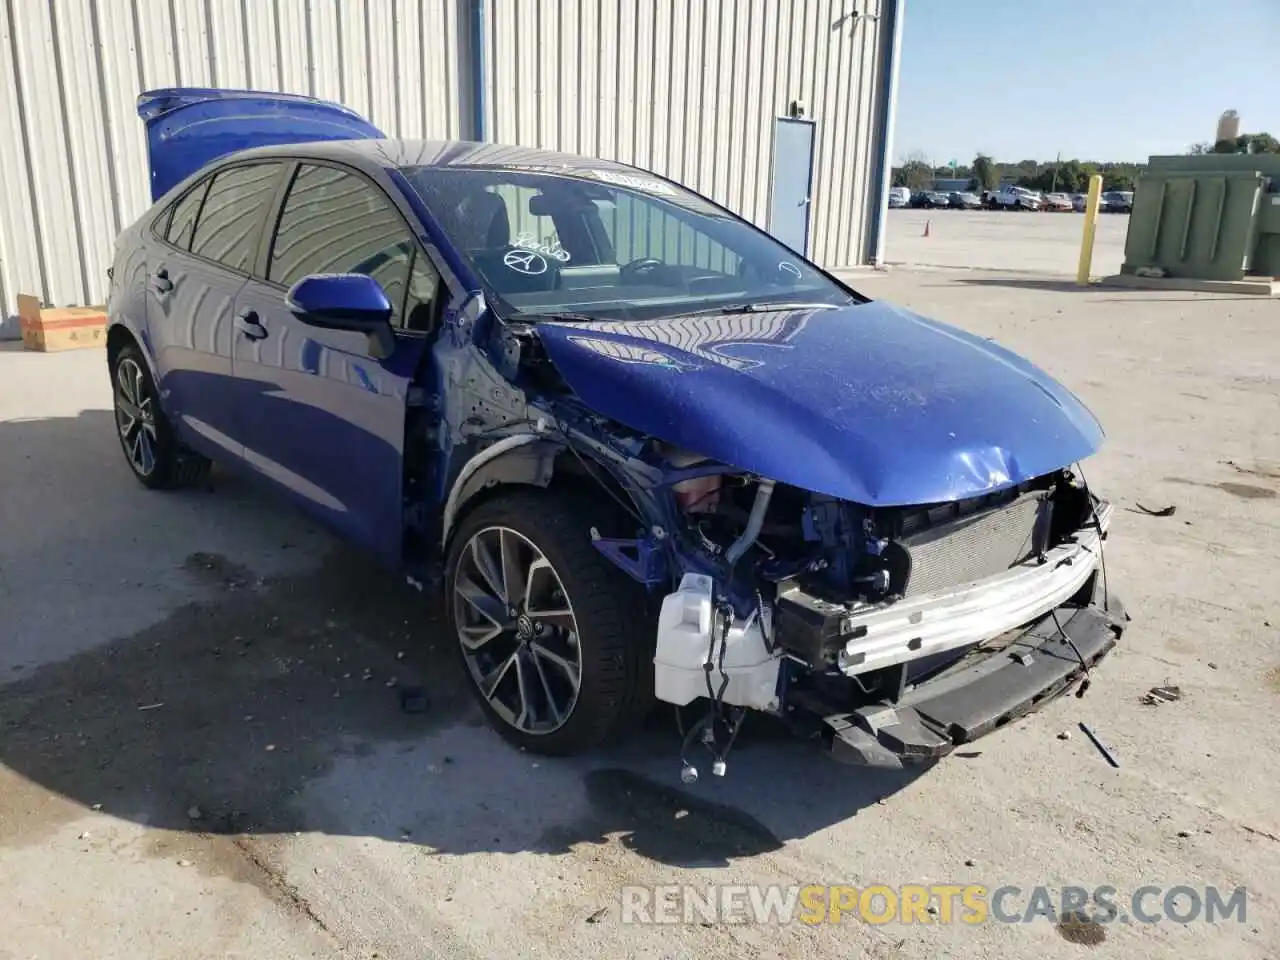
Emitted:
<point x="552" y="249"/>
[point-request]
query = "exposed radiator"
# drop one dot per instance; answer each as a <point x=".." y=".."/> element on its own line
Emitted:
<point x="977" y="546"/>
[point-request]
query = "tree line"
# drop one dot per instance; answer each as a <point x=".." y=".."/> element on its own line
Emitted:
<point x="984" y="173"/>
<point x="1245" y="143"/>
<point x="1062" y="176"/>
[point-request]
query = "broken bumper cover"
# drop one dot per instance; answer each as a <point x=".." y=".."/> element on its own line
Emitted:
<point x="977" y="696"/>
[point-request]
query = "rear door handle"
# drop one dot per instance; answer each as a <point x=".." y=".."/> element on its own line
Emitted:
<point x="247" y="322"/>
<point x="160" y="280"/>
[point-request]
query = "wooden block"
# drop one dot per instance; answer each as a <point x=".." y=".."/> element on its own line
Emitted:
<point x="50" y="329"/>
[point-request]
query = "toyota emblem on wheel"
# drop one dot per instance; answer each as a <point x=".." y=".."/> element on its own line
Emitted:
<point x="524" y="627"/>
<point x="526" y="262"/>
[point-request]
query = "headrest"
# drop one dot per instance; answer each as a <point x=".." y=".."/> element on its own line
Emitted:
<point x="482" y="217"/>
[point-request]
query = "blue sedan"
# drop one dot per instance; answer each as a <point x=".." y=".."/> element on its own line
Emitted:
<point x="643" y="451"/>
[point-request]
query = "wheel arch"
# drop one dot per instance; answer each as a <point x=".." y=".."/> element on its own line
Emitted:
<point x="119" y="335"/>
<point x="530" y="461"/>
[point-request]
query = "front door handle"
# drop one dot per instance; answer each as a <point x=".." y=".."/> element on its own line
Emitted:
<point x="160" y="280"/>
<point x="247" y="322"/>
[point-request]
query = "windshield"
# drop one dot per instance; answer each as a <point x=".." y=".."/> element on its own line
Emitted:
<point x="609" y="244"/>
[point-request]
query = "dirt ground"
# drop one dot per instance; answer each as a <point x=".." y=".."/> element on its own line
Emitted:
<point x="202" y="752"/>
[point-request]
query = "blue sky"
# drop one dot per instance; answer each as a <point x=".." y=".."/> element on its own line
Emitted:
<point x="1094" y="79"/>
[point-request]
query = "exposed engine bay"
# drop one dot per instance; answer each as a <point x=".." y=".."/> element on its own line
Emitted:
<point x="798" y="609"/>
<point x="850" y="554"/>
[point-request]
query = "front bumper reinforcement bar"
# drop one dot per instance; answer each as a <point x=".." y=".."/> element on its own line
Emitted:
<point x="975" y="697"/>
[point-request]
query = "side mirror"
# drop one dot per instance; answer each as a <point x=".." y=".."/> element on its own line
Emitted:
<point x="345" y="301"/>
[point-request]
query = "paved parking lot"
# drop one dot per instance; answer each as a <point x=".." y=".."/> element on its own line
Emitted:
<point x="202" y="755"/>
<point x="991" y="240"/>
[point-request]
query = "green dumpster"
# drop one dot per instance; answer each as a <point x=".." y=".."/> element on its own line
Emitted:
<point x="1212" y="217"/>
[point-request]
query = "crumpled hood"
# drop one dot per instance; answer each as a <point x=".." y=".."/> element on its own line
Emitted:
<point x="867" y="403"/>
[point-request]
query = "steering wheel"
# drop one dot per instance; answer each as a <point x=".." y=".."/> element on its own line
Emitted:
<point x="639" y="268"/>
<point x="785" y="273"/>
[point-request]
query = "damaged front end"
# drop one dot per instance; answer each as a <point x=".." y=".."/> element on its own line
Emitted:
<point x="893" y="572"/>
<point x="896" y="634"/>
<point x="891" y="635"/>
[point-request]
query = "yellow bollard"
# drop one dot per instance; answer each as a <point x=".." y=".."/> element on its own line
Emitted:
<point x="1090" y="229"/>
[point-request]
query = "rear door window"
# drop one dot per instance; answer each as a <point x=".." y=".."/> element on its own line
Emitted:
<point x="230" y="220"/>
<point x="182" y="223"/>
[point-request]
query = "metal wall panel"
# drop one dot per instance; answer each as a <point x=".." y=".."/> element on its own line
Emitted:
<point x="690" y="88"/>
<point x="73" y="168"/>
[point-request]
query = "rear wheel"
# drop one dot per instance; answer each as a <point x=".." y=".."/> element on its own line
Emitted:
<point x="553" y="638"/>
<point x="154" y="454"/>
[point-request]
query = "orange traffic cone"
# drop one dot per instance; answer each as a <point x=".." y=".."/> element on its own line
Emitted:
<point x="926" y="227"/>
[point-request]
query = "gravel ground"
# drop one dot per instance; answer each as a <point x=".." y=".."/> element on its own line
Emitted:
<point x="202" y="754"/>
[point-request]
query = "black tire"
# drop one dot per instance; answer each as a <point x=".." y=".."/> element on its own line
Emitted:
<point x="615" y="625"/>
<point x="170" y="464"/>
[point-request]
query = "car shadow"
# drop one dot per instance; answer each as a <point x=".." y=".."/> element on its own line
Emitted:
<point x="1120" y="294"/>
<point x="273" y="704"/>
<point x="1044" y="285"/>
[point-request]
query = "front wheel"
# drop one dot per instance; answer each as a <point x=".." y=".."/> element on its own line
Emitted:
<point x="554" y="639"/>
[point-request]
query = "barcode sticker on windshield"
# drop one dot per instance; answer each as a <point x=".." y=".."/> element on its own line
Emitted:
<point x="635" y="183"/>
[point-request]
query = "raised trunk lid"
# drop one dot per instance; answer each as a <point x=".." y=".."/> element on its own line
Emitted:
<point x="188" y="127"/>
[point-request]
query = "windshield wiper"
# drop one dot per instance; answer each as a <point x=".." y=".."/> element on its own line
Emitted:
<point x="757" y="307"/>
<point x="561" y="316"/>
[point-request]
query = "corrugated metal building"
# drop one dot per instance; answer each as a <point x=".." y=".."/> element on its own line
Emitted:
<point x="707" y="92"/>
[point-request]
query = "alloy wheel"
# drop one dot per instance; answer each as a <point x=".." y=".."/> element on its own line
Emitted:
<point x="517" y="629"/>
<point x="135" y="417"/>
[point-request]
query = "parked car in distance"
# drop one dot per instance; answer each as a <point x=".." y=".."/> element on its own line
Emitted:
<point x="1079" y="201"/>
<point x="964" y="200"/>
<point x="1057" y="202"/>
<point x="931" y="200"/>
<point x="899" y="197"/>
<point x="640" y="450"/>
<point x="1117" y="201"/>
<point x="1011" y="197"/>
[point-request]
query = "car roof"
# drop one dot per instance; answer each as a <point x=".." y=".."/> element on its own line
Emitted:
<point x="395" y="154"/>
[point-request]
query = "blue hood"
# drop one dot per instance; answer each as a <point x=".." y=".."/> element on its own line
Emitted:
<point x="187" y="127"/>
<point x="867" y="403"/>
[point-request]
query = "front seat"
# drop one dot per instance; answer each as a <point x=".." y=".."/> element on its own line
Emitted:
<point x="485" y="231"/>
<point x="483" y="223"/>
